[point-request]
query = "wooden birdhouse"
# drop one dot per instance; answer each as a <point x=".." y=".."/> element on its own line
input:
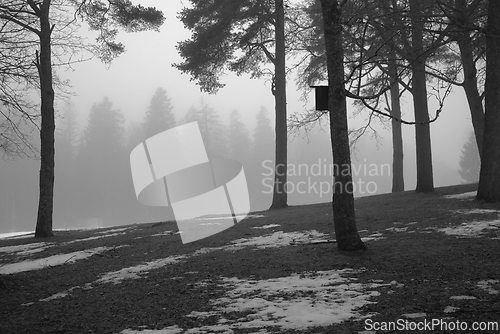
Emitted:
<point x="321" y="97"/>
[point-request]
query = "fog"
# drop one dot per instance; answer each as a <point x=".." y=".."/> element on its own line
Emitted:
<point x="130" y="82"/>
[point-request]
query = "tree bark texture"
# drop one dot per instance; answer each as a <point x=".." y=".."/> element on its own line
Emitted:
<point x="47" y="150"/>
<point x="464" y="42"/>
<point x="470" y="88"/>
<point x="280" y="177"/>
<point x="489" y="176"/>
<point x="425" y="179"/>
<point x="398" y="182"/>
<point x="343" y="197"/>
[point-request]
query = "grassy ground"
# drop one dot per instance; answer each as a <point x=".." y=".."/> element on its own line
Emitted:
<point x="426" y="267"/>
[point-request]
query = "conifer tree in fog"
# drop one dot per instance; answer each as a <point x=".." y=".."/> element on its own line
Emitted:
<point x="263" y="138"/>
<point x="66" y="144"/>
<point x="469" y="160"/>
<point x="239" y="144"/>
<point x="159" y="116"/>
<point x="262" y="166"/>
<point x="102" y="163"/>
<point x="213" y="131"/>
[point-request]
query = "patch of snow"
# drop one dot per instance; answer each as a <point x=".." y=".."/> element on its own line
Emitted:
<point x="26" y="249"/>
<point x="230" y="217"/>
<point x="93" y="238"/>
<point x="414" y="315"/>
<point x="163" y="233"/>
<point x="462" y="297"/>
<point x="16" y="235"/>
<point x="487" y="286"/>
<point x="51" y="261"/>
<point x="397" y="229"/>
<point x="471" y="229"/>
<point x="267" y="226"/>
<point x="451" y="309"/>
<point x="114" y="230"/>
<point x="373" y="237"/>
<point x="294" y="302"/>
<point x="54" y="296"/>
<point x="462" y="196"/>
<point x="134" y="272"/>
<point x="475" y="211"/>
<point x="276" y="239"/>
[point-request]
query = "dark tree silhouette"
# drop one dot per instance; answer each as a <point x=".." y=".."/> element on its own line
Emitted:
<point x="343" y="198"/>
<point x="159" y="116"/>
<point x="489" y="176"/>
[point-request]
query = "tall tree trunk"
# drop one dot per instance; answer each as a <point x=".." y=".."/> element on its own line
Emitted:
<point x="398" y="182"/>
<point x="47" y="151"/>
<point x="489" y="177"/>
<point x="343" y="198"/>
<point x="279" y="193"/>
<point x="470" y="88"/>
<point x="464" y="42"/>
<point x="425" y="182"/>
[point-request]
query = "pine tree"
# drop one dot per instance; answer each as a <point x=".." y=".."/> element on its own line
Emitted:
<point x="469" y="161"/>
<point x="64" y="186"/>
<point x="261" y="174"/>
<point x="102" y="163"/>
<point x="263" y="139"/>
<point x="159" y="116"/>
<point x="239" y="145"/>
<point x="213" y="131"/>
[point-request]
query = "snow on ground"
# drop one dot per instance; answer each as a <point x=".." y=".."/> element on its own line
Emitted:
<point x="276" y="239"/>
<point x="471" y="229"/>
<point x="136" y="271"/>
<point x="414" y="315"/>
<point x="26" y="249"/>
<point x="93" y="238"/>
<point x="164" y="233"/>
<point x="51" y="261"/>
<point x="476" y="211"/>
<point x="462" y="297"/>
<point x="468" y="195"/>
<point x="373" y="237"/>
<point x="266" y="226"/>
<point x="487" y="285"/>
<point x="16" y="235"/>
<point x="295" y="302"/>
<point x="115" y="230"/>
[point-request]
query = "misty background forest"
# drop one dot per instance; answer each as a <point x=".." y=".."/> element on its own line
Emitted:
<point x="104" y="111"/>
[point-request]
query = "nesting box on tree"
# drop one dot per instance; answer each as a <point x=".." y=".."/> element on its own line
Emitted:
<point x="321" y="97"/>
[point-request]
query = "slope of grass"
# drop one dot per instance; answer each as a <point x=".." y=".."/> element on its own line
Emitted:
<point x="416" y="268"/>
